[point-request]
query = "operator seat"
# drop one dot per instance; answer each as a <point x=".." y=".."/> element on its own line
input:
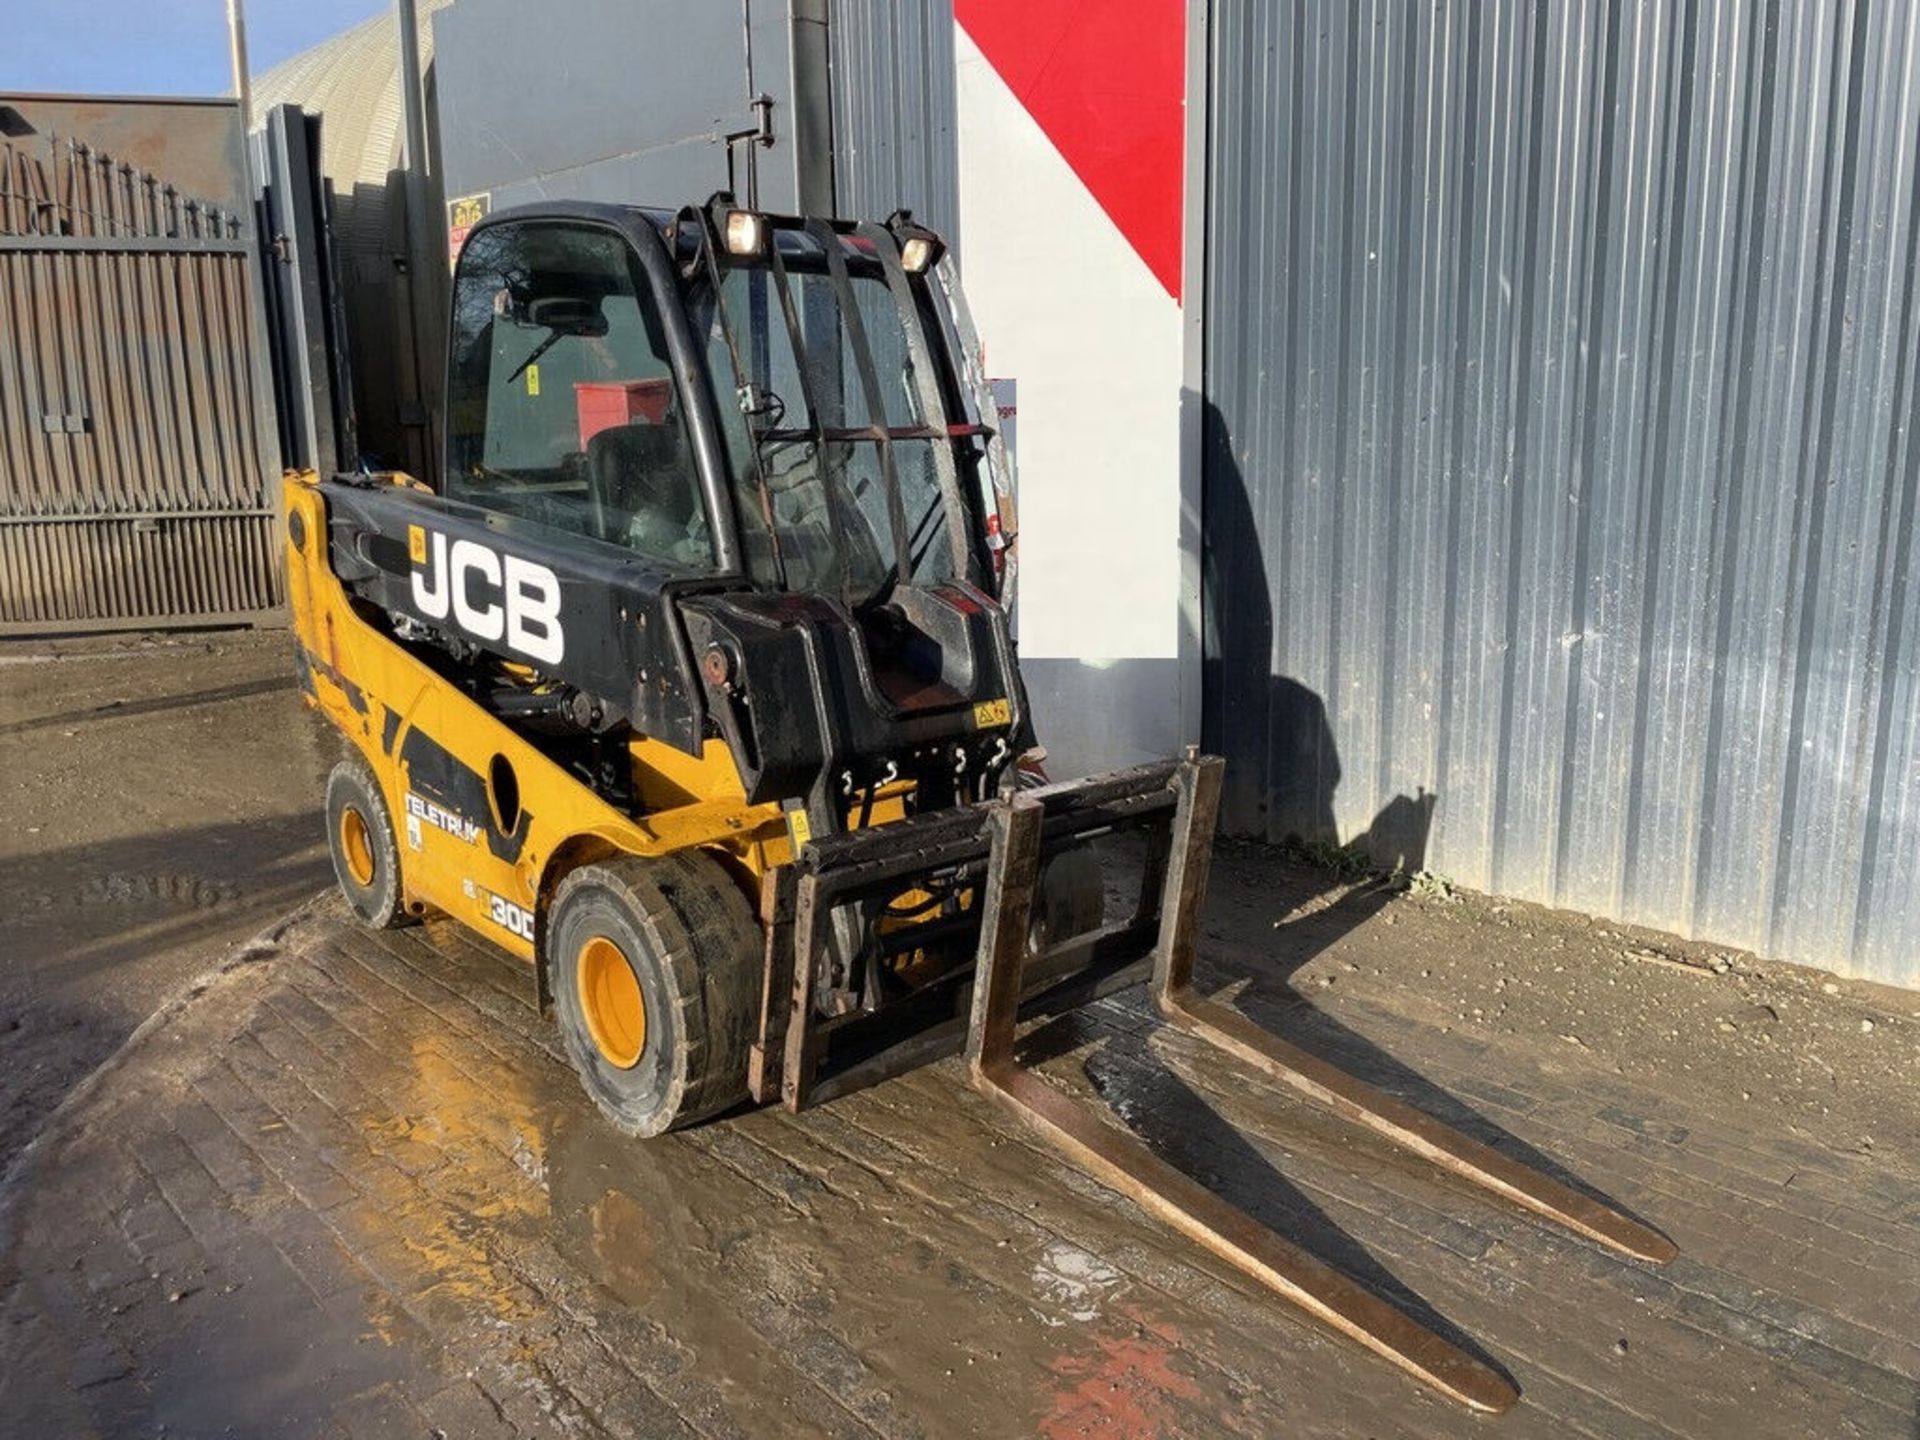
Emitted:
<point x="641" y="491"/>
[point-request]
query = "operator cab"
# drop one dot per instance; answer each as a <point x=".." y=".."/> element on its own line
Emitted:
<point x="759" y="422"/>
<point x="824" y="366"/>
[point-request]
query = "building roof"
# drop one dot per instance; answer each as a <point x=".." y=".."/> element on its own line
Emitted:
<point x="352" y="81"/>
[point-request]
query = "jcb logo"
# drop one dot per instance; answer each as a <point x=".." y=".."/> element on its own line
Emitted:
<point x="490" y="596"/>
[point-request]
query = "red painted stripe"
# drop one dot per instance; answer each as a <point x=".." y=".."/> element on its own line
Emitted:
<point x="1106" y="83"/>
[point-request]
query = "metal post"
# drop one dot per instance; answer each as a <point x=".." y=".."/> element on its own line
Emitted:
<point x="423" y="266"/>
<point x="412" y="99"/>
<point x="237" y="46"/>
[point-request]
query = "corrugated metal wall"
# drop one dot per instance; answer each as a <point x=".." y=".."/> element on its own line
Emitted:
<point x="1561" y="472"/>
<point x="893" y="110"/>
<point x="133" y="470"/>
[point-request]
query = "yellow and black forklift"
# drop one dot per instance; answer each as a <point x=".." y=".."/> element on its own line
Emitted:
<point x="693" y="687"/>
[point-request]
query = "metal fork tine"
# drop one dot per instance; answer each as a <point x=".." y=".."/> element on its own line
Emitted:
<point x="1158" y="1188"/>
<point x="1229" y="1232"/>
<point x="1198" y="783"/>
<point x="1414" y="1130"/>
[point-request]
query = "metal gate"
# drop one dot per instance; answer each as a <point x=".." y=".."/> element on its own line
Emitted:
<point x="137" y="453"/>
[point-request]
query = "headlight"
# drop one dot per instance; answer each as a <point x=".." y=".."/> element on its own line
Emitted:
<point x="746" y="232"/>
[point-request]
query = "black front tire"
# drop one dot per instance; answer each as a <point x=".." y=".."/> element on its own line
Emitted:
<point x="366" y="856"/>
<point x="685" y="930"/>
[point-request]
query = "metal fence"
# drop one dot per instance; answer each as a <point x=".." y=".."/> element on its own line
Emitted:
<point x="135" y="441"/>
<point x="1561" y="467"/>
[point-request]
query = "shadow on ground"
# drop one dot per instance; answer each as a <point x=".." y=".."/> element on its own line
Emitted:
<point x="78" y="916"/>
<point x="1283" y="789"/>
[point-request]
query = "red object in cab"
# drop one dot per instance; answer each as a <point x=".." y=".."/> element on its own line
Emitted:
<point x="603" y="404"/>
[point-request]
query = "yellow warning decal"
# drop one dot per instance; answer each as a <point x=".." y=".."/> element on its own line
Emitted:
<point x="533" y="379"/>
<point x="416" y="545"/>
<point x="799" y="830"/>
<point x="989" y="713"/>
<point x="463" y="213"/>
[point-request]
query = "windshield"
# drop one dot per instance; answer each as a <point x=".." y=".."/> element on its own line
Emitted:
<point x="561" y="407"/>
<point x="837" y="464"/>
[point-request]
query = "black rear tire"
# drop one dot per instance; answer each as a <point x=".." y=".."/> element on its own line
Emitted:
<point x="684" y="932"/>
<point x="366" y="857"/>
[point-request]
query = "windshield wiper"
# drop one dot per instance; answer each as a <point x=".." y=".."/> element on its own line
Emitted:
<point x="553" y="338"/>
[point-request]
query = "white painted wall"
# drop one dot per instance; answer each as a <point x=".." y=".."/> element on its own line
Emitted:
<point x="1068" y="309"/>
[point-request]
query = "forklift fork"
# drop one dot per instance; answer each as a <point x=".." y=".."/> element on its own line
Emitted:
<point x="1015" y="835"/>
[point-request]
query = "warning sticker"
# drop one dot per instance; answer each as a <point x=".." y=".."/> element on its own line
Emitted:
<point x="799" y="829"/>
<point x="463" y="214"/>
<point x="989" y="713"/>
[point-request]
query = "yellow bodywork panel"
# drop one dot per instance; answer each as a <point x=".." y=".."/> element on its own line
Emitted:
<point x="489" y="861"/>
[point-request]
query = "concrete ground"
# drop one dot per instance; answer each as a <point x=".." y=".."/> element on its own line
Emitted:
<point x="159" y="796"/>
<point x="350" y="1189"/>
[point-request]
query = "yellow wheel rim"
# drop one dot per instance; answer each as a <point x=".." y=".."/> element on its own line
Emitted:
<point x="610" y="997"/>
<point x="356" y="845"/>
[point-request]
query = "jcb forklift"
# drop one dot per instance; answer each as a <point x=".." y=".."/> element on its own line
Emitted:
<point x="693" y="688"/>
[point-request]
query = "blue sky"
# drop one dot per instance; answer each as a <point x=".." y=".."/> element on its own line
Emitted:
<point x="156" y="47"/>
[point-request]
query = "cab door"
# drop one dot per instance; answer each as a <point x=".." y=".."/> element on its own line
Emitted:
<point x="562" y="407"/>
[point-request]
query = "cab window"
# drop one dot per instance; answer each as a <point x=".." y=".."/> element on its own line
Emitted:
<point x="819" y="433"/>
<point x="561" y="407"/>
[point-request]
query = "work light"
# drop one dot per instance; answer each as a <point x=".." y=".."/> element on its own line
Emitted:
<point x="746" y="232"/>
<point x="919" y="246"/>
